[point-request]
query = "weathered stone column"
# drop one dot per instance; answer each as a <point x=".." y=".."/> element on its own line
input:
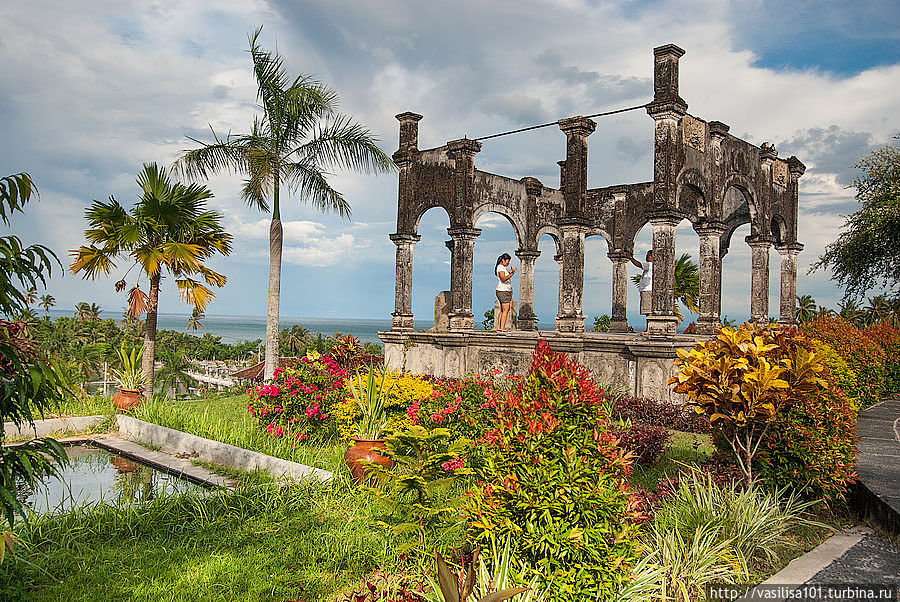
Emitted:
<point x="461" y="262"/>
<point x="409" y="130"/>
<point x="402" y="316"/>
<point x="526" y="319"/>
<point x="558" y="258"/>
<point x="573" y="225"/>
<point x="663" y="323"/>
<point x="618" y="312"/>
<point x="709" y="319"/>
<point x="571" y="277"/>
<point x="789" y="254"/>
<point x="759" y="278"/>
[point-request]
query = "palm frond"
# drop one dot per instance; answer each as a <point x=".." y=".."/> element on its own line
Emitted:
<point x="15" y="191"/>
<point x="138" y="302"/>
<point x="195" y="293"/>
<point x="313" y="187"/>
<point x="341" y="143"/>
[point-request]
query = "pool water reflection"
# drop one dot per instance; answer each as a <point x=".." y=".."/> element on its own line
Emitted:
<point x="95" y="475"/>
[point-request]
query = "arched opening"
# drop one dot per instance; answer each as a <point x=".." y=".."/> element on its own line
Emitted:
<point x="643" y="242"/>
<point x="497" y="237"/>
<point x="736" y="269"/>
<point x="431" y="265"/>
<point x="596" y="300"/>
<point x="687" y="273"/>
<point x="546" y="282"/>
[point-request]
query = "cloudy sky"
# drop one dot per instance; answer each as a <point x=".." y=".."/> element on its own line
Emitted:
<point x="91" y="90"/>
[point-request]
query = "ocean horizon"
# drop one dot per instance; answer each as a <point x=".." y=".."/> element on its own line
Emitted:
<point x="233" y="329"/>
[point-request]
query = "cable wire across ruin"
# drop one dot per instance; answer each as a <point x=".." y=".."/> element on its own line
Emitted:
<point x="543" y="125"/>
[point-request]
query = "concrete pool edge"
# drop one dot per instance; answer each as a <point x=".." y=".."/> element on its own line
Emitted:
<point x="49" y="426"/>
<point x="184" y="445"/>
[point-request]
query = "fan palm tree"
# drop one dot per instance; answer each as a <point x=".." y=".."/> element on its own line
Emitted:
<point x="194" y="322"/>
<point x="169" y="229"/>
<point x="47" y="301"/>
<point x="806" y="308"/>
<point x="687" y="284"/>
<point x="298" y="138"/>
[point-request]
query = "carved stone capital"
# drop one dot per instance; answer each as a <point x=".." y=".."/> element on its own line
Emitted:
<point x="408" y="116"/>
<point x="401" y="238"/>
<point x="463" y="147"/>
<point x="525" y="254"/>
<point x="718" y="129"/>
<point x="796" y="167"/>
<point x="533" y="186"/>
<point x="577" y="126"/>
<point x="767" y="152"/>
<point x="464" y="233"/>
<point x="759" y="242"/>
<point x="789" y="249"/>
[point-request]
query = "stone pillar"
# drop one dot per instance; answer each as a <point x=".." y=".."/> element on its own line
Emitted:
<point x="558" y="258"/>
<point x="667" y="109"/>
<point x="709" y="319"/>
<point x="463" y="153"/>
<point x="789" y="254"/>
<point x="409" y="130"/>
<point x="526" y="319"/>
<point x="402" y="316"/>
<point x="462" y="248"/>
<point x="618" y="313"/>
<point x="663" y="322"/>
<point x="577" y="129"/>
<point x="759" y="278"/>
<point x="571" y="277"/>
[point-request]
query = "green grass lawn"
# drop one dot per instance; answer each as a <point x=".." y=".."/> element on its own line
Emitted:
<point x="266" y="542"/>
<point x="684" y="448"/>
<point x="226" y="419"/>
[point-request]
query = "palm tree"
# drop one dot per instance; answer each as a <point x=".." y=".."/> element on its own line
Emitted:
<point x="298" y="139"/>
<point x="30" y="296"/>
<point x="293" y="340"/>
<point x="87" y="311"/>
<point x="168" y="229"/>
<point x="879" y="309"/>
<point x="194" y="322"/>
<point x="47" y="301"/>
<point x="174" y="371"/>
<point x="852" y="312"/>
<point x="687" y="284"/>
<point x="806" y="308"/>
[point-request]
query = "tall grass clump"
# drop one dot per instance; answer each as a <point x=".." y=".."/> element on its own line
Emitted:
<point x="706" y="533"/>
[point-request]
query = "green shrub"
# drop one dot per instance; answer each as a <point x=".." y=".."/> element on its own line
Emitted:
<point x="555" y="483"/>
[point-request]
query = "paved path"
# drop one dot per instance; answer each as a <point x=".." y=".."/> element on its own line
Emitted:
<point x="874" y="560"/>
<point x="878" y="464"/>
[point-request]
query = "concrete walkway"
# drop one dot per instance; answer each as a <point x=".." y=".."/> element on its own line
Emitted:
<point x="878" y="465"/>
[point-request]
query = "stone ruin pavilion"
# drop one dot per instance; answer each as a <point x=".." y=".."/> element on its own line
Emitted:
<point x="700" y="173"/>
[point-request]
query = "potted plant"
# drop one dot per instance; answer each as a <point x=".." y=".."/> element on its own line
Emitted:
<point x="130" y="378"/>
<point x="369" y="397"/>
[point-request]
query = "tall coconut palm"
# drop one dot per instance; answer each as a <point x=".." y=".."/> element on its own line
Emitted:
<point x="31" y="296"/>
<point x="806" y="308"/>
<point x="169" y="229"/>
<point x="852" y="312"/>
<point x="297" y="139"/>
<point x="47" y="301"/>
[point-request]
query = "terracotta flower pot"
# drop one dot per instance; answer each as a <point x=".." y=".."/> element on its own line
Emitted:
<point x="365" y="450"/>
<point x="126" y="400"/>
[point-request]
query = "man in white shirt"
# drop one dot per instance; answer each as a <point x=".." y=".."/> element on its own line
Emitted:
<point x="645" y="286"/>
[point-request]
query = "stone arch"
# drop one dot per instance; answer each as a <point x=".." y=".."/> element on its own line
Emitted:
<point x="553" y="232"/>
<point x="424" y="208"/>
<point x="779" y="229"/>
<point x="691" y="196"/>
<point x="597" y="231"/>
<point x="517" y="227"/>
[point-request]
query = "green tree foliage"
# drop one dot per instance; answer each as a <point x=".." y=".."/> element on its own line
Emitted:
<point x="867" y="253"/>
<point x="169" y="229"/>
<point x="297" y="140"/>
<point x="29" y="385"/>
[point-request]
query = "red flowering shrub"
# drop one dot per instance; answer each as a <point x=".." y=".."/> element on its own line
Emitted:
<point x="643" y="410"/>
<point x="888" y="337"/>
<point x="811" y="445"/>
<point x="645" y="442"/>
<point x="298" y="403"/>
<point x="464" y="406"/>
<point x="864" y="355"/>
<point x="555" y="483"/>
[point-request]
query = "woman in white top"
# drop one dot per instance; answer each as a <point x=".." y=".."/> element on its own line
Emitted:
<point x="504" y="290"/>
<point x="645" y="286"/>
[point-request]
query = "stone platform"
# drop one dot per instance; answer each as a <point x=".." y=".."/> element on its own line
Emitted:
<point x="635" y="362"/>
<point x="878" y="465"/>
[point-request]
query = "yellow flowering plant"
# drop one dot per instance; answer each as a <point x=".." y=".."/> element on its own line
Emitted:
<point x="399" y="392"/>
